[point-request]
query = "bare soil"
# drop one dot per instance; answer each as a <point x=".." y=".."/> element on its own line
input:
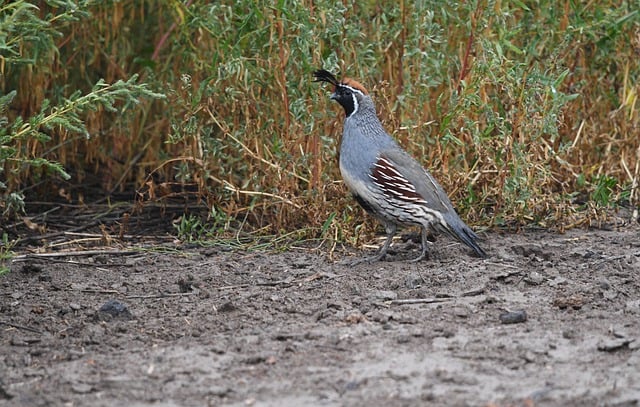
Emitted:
<point x="200" y="327"/>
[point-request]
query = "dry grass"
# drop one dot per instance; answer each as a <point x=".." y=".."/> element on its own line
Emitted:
<point x="526" y="112"/>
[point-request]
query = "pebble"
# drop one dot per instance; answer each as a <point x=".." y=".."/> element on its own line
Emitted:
<point x="632" y="306"/>
<point x="383" y="295"/>
<point x="611" y="345"/>
<point x="81" y="388"/>
<point x="461" y="312"/>
<point x="413" y="281"/>
<point x="558" y="281"/>
<point x="513" y="317"/>
<point x="227" y="307"/>
<point x="403" y="338"/>
<point x="534" y="278"/>
<point x="114" y="309"/>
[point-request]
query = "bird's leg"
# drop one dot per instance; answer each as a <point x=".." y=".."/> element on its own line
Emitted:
<point x="424" y="247"/>
<point x="390" y="228"/>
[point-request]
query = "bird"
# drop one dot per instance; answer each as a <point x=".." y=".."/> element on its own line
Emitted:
<point x="385" y="180"/>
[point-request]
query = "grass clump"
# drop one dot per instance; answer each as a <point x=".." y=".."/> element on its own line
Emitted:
<point x="526" y="111"/>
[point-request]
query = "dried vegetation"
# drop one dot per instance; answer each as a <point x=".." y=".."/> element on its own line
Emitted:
<point x="527" y="112"/>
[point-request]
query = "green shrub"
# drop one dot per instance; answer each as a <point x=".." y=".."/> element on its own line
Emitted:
<point x="517" y="107"/>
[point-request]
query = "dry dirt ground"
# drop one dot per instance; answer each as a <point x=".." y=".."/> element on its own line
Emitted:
<point x="203" y="327"/>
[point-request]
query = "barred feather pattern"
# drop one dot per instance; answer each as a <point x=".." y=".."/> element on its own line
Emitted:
<point x="401" y="203"/>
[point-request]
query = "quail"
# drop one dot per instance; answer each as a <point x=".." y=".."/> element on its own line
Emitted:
<point x="385" y="180"/>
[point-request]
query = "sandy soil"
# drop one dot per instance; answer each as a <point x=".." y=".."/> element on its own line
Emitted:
<point x="210" y="327"/>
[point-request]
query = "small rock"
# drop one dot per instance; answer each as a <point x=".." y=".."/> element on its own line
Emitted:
<point x="352" y="385"/>
<point x="81" y="388"/>
<point x="417" y="333"/>
<point x="513" y="317"/>
<point x="382" y="295"/>
<point x="101" y="259"/>
<point x="529" y="357"/>
<point x="113" y="309"/>
<point x="413" y="281"/>
<point x="31" y="268"/>
<point x="355" y="318"/>
<point x="461" y="312"/>
<point x="604" y="284"/>
<point x="575" y="301"/>
<point x="185" y="286"/>
<point x="534" y="278"/>
<point x="612" y="345"/>
<point x="219" y="391"/>
<point x="531" y="250"/>
<point x="610" y="294"/>
<point x="632" y="306"/>
<point x="74" y="306"/>
<point x="227" y="307"/>
<point x="617" y="332"/>
<point x="403" y="338"/>
<point x="46" y="277"/>
<point x="569" y="334"/>
<point x="377" y="316"/>
<point x="558" y="281"/>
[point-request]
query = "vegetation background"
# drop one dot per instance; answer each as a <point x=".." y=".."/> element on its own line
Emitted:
<point x="526" y="111"/>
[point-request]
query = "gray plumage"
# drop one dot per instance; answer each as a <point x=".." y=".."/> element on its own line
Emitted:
<point x="385" y="180"/>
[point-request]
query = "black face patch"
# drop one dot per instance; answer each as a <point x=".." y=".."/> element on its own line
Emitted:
<point x="347" y="97"/>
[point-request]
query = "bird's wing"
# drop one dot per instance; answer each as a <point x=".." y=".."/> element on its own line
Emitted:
<point x="402" y="177"/>
<point x="393" y="183"/>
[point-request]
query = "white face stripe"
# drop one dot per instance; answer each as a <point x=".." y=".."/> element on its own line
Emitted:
<point x="355" y="99"/>
<point x="355" y="104"/>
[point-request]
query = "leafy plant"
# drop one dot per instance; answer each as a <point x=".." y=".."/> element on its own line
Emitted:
<point x="5" y="253"/>
<point x="26" y="44"/>
<point x="516" y="107"/>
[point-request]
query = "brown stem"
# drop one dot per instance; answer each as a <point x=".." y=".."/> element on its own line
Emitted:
<point x="464" y="70"/>
<point x="163" y="39"/>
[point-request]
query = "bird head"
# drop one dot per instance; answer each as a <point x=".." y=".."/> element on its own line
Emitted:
<point x="348" y="92"/>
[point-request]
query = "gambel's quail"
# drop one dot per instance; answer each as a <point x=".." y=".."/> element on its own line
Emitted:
<point x="385" y="180"/>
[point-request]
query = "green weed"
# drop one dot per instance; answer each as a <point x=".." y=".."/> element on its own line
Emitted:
<point x="516" y="107"/>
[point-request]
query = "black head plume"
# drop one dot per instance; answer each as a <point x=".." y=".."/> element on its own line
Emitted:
<point x="322" y="75"/>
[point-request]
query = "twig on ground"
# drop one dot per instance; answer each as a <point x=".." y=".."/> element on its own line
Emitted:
<point x="614" y="258"/>
<point x="285" y="282"/>
<point x="31" y="256"/>
<point x="408" y="301"/>
<point x="99" y="291"/>
<point x="264" y="284"/>
<point x="501" y="264"/>
<point x="474" y="292"/>
<point x="161" y="295"/>
<point x="24" y="328"/>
